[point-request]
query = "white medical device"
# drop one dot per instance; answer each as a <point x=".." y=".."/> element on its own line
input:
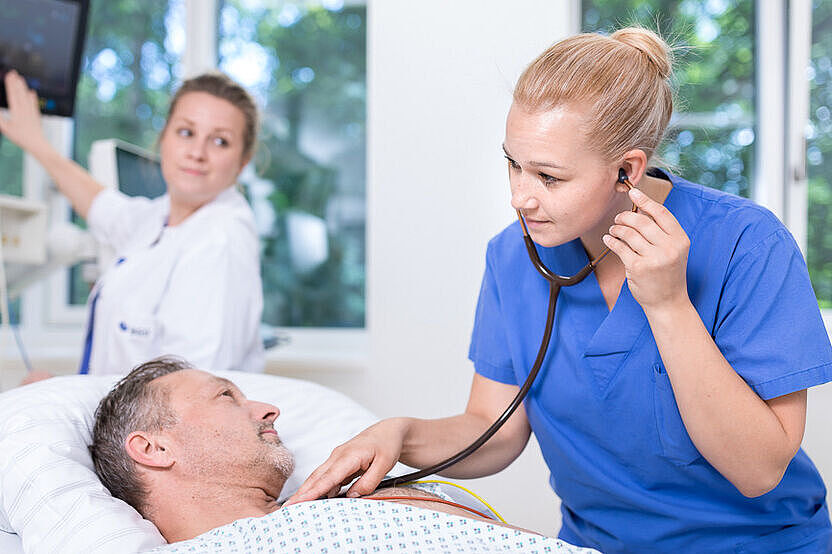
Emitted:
<point x="23" y="253"/>
<point x="22" y="230"/>
<point x="23" y="240"/>
<point x="126" y="167"/>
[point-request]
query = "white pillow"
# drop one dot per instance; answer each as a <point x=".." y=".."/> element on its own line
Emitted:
<point x="50" y="495"/>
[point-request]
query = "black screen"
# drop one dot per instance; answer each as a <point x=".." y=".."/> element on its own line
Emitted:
<point x="139" y="175"/>
<point x="43" y="40"/>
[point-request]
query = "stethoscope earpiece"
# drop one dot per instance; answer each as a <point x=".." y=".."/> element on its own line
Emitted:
<point x="622" y="175"/>
<point x="624" y="179"/>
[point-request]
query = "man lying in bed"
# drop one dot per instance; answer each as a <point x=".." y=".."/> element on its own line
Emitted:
<point x="191" y="453"/>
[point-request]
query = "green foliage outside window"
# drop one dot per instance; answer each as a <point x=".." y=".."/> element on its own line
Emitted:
<point x="11" y="168"/>
<point x="129" y="68"/>
<point x="711" y="138"/>
<point x="307" y="62"/>
<point x="128" y="73"/>
<point x="819" y="153"/>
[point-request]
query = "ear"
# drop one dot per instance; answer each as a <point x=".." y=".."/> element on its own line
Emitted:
<point x="148" y="450"/>
<point x="634" y="162"/>
<point x="244" y="163"/>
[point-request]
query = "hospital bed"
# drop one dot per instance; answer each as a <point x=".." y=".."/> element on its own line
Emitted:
<point x="51" y="500"/>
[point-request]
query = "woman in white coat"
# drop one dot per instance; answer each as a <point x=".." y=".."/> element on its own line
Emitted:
<point x="187" y="277"/>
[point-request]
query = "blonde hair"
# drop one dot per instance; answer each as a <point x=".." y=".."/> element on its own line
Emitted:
<point x="220" y="85"/>
<point x="623" y="81"/>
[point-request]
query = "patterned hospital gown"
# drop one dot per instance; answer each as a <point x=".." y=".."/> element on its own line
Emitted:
<point x="365" y="526"/>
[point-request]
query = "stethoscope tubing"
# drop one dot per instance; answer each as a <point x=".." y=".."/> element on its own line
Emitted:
<point x="555" y="283"/>
<point x="554" y="290"/>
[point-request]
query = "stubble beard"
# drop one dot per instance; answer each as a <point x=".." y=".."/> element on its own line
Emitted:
<point x="277" y="456"/>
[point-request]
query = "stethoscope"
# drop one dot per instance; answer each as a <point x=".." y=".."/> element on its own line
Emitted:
<point x="555" y="283"/>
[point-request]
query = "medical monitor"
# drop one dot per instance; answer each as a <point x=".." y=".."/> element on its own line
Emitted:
<point x="126" y="167"/>
<point x="43" y="41"/>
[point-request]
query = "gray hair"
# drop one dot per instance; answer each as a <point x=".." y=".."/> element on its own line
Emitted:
<point x="134" y="404"/>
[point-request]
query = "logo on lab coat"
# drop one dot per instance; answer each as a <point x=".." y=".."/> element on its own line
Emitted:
<point x="134" y="331"/>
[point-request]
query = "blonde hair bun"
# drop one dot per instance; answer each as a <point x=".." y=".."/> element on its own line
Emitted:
<point x="651" y="45"/>
<point x="620" y="82"/>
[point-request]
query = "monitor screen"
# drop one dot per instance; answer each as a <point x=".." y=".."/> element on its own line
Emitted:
<point x="138" y="174"/>
<point x="43" y="41"/>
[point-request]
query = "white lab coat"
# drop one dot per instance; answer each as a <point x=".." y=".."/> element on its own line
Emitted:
<point x="192" y="290"/>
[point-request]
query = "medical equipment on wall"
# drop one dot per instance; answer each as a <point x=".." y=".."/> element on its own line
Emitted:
<point x="132" y="170"/>
<point x="32" y="251"/>
<point x="555" y="283"/>
<point x="33" y="248"/>
<point x="43" y="41"/>
<point x="22" y="248"/>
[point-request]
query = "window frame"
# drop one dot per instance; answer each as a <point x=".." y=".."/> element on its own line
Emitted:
<point x="54" y="329"/>
<point x="779" y="178"/>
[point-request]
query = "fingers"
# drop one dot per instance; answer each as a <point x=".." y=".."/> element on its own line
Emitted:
<point x="369" y="455"/>
<point x="633" y="237"/>
<point x="661" y="215"/>
<point x="368" y="482"/>
<point x="22" y="125"/>
<point x="17" y="92"/>
<point x="325" y="481"/>
<point x="643" y="224"/>
<point x="620" y="249"/>
<point x="343" y="465"/>
<point x="20" y="98"/>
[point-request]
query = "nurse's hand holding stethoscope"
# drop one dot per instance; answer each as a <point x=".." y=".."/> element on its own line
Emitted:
<point x="654" y="249"/>
<point x="369" y="456"/>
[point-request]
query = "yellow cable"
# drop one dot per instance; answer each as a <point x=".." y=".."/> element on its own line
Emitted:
<point x="472" y="493"/>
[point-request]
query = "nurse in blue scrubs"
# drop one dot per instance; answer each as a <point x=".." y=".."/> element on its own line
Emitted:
<point x="672" y="402"/>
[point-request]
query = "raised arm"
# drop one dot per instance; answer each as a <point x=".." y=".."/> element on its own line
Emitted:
<point x="424" y="442"/>
<point x="749" y="440"/>
<point x="23" y="127"/>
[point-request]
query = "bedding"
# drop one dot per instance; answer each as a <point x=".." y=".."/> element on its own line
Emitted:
<point x="52" y="501"/>
<point x="346" y="525"/>
<point x="50" y="496"/>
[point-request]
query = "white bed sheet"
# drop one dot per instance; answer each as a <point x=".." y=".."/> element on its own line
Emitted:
<point x="10" y="543"/>
<point x="50" y="495"/>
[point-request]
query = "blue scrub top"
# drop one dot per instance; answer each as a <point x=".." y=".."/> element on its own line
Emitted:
<point x="603" y="409"/>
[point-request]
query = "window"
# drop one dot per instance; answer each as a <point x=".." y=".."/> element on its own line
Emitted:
<point x="710" y="139"/>
<point x="11" y="168"/>
<point x="715" y="133"/>
<point x="306" y="63"/>
<point x="129" y="68"/>
<point x="819" y="154"/>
